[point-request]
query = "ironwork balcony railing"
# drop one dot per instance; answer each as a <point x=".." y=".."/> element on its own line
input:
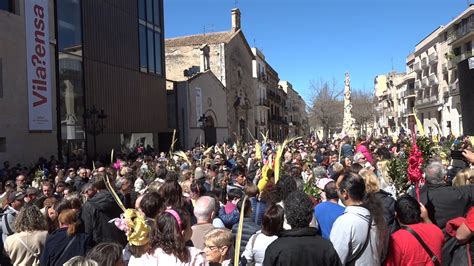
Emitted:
<point x="433" y="80"/>
<point x="433" y="58"/>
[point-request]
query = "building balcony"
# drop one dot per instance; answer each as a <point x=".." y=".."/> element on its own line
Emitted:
<point x="427" y="101"/>
<point x="424" y="82"/>
<point x="417" y="84"/>
<point x="463" y="30"/>
<point x="444" y="67"/>
<point x="446" y="94"/>
<point x="263" y="102"/>
<point x="433" y="99"/>
<point x="424" y="62"/>
<point x="451" y="64"/>
<point x="409" y="93"/>
<point x="433" y="58"/>
<point x="433" y="80"/>
<point x="407" y="112"/>
<point x="417" y="66"/>
<point x="454" y="88"/>
<point x="263" y="77"/>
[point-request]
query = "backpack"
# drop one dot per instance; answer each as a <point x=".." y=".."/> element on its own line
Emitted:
<point x="454" y="253"/>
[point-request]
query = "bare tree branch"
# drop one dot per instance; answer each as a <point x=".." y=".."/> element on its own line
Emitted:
<point x="326" y="105"/>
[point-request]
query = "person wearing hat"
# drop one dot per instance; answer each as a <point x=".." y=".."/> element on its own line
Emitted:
<point x="16" y="199"/>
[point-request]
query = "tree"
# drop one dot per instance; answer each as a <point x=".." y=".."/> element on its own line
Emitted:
<point x="327" y="106"/>
<point x="363" y="109"/>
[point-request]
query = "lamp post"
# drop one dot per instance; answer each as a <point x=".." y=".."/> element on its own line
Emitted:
<point x="203" y="120"/>
<point x="94" y="124"/>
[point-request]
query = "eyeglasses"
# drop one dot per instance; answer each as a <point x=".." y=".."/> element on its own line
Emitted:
<point x="212" y="248"/>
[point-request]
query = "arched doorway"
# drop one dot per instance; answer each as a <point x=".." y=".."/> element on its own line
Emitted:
<point x="210" y="131"/>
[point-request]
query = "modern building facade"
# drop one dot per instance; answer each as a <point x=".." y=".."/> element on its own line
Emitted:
<point x="104" y="55"/>
<point x="20" y="139"/>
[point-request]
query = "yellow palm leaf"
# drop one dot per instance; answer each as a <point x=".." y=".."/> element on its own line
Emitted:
<point x="419" y="125"/>
<point x="183" y="156"/>
<point x="208" y="150"/>
<point x="114" y="194"/>
<point x="258" y="151"/>
<point x="239" y="233"/>
<point x="279" y="154"/>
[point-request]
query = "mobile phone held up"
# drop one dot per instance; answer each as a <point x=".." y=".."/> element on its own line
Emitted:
<point x="457" y="155"/>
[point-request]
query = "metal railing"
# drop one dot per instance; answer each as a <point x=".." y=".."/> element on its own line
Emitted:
<point x="417" y="66"/>
<point x="424" y="82"/>
<point x="417" y="84"/>
<point x="433" y="80"/>
<point x="424" y="62"/>
<point x="433" y="58"/>
<point x="464" y="29"/>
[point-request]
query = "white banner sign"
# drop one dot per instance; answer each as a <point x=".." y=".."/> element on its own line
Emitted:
<point x="38" y="65"/>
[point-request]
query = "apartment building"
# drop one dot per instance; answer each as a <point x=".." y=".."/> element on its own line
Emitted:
<point x="430" y="86"/>
<point x="261" y="102"/>
<point x="296" y="110"/>
<point x="389" y="101"/>
<point x="458" y="38"/>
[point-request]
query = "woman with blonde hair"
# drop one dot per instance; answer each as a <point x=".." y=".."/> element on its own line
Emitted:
<point x="464" y="177"/>
<point x="65" y="242"/>
<point x="217" y="246"/>
<point x="80" y="261"/>
<point x="25" y="246"/>
<point x="372" y="186"/>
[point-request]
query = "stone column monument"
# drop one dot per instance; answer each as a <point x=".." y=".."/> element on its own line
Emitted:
<point x="348" y="122"/>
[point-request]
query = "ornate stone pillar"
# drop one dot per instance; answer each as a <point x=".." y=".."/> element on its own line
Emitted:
<point x="348" y="122"/>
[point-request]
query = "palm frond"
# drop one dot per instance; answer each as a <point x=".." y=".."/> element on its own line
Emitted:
<point x="183" y="156"/>
<point x="279" y="154"/>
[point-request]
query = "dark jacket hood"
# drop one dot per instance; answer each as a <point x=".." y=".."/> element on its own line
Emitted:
<point x="104" y="201"/>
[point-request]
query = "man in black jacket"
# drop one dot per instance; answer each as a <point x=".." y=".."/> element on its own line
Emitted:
<point x="96" y="214"/>
<point x="301" y="245"/>
<point x="444" y="202"/>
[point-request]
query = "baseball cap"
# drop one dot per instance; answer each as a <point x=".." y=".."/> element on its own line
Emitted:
<point x="16" y="196"/>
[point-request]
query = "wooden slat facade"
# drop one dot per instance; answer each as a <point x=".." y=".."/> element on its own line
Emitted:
<point x="134" y="102"/>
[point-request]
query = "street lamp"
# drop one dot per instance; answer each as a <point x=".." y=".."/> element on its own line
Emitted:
<point x="203" y="120"/>
<point x="94" y="124"/>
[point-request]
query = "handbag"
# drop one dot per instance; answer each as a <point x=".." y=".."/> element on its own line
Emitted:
<point x="423" y="244"/>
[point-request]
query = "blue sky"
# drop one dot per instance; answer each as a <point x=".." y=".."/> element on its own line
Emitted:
<point x="305" y="40"/>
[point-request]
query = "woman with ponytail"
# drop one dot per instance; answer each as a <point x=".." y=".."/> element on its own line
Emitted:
<point x="168" y="244"/>
<point x="65" y="242"/>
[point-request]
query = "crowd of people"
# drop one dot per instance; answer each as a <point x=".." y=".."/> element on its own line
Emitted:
<point x="329" y="202"/>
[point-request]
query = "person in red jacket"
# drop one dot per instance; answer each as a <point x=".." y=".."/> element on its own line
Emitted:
<point x="405" y="249"/>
